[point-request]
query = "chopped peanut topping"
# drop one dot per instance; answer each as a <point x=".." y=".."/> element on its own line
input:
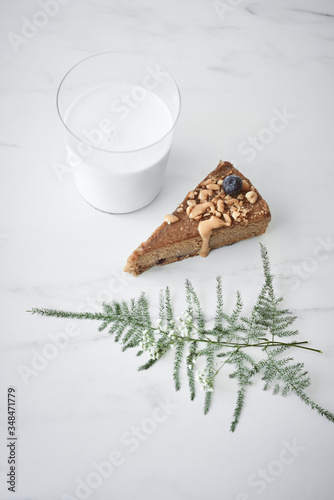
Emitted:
<point x="251" y="196"/>
<point x="204" y="194"/>
<point x="245" y="186"/>
<point x="220" y="206"/>
<point x="215" y="187"/>
<point x="212" y="208"/>
<point x="170" y="219"/>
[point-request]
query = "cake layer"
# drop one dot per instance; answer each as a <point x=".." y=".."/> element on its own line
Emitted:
<point x="191" y="247"/>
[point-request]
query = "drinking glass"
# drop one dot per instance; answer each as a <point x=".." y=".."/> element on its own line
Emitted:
<point x="119" y="112"/>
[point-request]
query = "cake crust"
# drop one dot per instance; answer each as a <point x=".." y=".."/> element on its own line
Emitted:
<point x="238" y="218"/>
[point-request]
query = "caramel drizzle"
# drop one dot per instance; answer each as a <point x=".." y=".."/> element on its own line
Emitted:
<point x="205" y="228"/>
<point x="200" y="209"/>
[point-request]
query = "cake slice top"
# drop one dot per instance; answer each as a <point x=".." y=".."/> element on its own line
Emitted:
<point x="246" y="207"/>
<point x="206" y="209"/>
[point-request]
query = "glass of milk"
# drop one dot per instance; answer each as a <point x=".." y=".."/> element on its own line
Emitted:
<point x="119" y="111"/>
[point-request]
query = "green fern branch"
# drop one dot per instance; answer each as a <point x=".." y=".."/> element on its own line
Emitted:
<point x="229" y="344"/>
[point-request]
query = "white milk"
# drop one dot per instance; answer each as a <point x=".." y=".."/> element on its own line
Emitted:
<point x="119" y="146"/>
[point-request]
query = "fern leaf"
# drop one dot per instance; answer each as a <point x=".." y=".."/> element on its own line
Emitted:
<point x="219" y="316"/>
<point x="190" y="369"/>
<point x="197" y="310"/>
<point x="210" y="361"/>
<point x="147" y="365"/>
<point x="178" y="358"/>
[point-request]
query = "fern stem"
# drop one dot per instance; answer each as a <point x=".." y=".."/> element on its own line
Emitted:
<point x="102" y="317"/>
<point x="233" y="353"/>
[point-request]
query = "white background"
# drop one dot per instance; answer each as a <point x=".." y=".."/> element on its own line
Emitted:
<point x="237" y="64"/>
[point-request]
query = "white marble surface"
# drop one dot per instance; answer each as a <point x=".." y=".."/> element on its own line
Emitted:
<point x="238" y="66"/>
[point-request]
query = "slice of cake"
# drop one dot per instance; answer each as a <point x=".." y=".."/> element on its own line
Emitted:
<point x="223" y="209"/>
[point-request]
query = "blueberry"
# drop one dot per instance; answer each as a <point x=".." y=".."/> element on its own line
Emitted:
<point x="232" y="185"/>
